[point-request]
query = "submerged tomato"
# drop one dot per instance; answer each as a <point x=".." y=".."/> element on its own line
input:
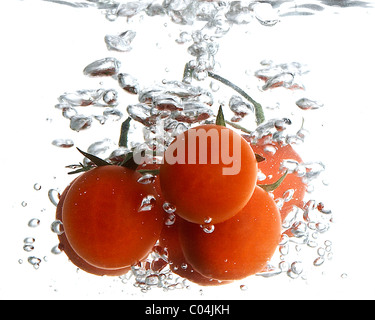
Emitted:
<point x="73" y="256"/>
<point x="292" y="190"/>
<point x="169" y="240"/>
<point x="209" y="173"/>
<point x="111" y="220"/>
<point x="238" y="247"/>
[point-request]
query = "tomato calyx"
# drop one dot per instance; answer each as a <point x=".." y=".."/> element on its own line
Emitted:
<point x="275" y="185"/>
<point x="220" y="121"/>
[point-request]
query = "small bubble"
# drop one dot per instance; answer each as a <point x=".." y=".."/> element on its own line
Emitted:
<point x="54" y="196"/>
<point x="147" y="203"/>
<point x="56" y="250"/>
<point x="284" y="266"/>
<point x="208" y="228"/>
<point x="37" y="186"/>
<point x="169" y="208"/>
<point x="24" y="204"/>
<point x="29" y="240"/>
<point x="214" y="86"/>
<point x="57" y="227"/>
<point x="318" y="261"/>
<point x="284" y="250"/>
<point x="344" y="276"/>
<point x="170" y="220"/>
<point x="288" y="195"/>
<point x="321" y="252"/>
<point x="146" y="179"/>
<point x="328" y="243"/>
<point x="34" y="261"/>
<point x="63" y="143"/>
<point x="207" y="220"/>
<point x="33" y="223"/>
<point x="28" y="247"/>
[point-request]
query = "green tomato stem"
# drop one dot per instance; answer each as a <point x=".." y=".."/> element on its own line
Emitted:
<point x="259" y="114"/>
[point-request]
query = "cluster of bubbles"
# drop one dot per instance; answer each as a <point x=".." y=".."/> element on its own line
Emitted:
<point x="165" y="110"/>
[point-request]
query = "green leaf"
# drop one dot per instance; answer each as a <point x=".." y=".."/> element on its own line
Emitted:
<point x="149" y="171"/>
<point x="259" y="114"/>
<point x="220" y="121"/>
<point x="275" y="185"/>
<point x="123" y="141"/>
<point x="129" y="162"/>
<point x="259" y="158"/>
<point x="83" y="169"/>
<point x="237" y="126"/>
<point x="96" y="160"/>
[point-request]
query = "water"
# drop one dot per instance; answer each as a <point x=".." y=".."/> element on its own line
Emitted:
<point x="181" y="104"/>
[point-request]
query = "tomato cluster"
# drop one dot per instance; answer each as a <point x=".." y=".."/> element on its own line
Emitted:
<point x="226" y="227"/>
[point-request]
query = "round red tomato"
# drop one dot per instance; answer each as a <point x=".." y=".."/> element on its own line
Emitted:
<point x="73" y="256"/>
<point x="292" y="190"/>
<point x="110" y="219"/>
<point x="169" y="240"/>
<point x="209" y="173"/>
<point x="238" y="247"/>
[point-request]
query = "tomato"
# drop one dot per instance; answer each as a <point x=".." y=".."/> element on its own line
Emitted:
<point x="293" y="188"/>
<point x="169" y="240"/>
<point x="106" y="219"/>
<point x="209" y="173"/>
<point x="73" y="256"/>
<point x="238" y="247"/>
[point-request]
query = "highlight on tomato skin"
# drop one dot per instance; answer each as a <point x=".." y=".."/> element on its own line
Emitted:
<point x="169" y="240"/>
<point x="200" y="191"/>
<point x="238" y="247"/>
<point x="73" y="256"/>
<point x="293" y="187"/>
<point x="105" y="220"/>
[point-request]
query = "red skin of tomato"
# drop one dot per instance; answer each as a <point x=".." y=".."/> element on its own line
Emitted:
<point x="169" y="240"/>
<point x="202" y="192"/>
<point x="238" y="247"/>
<point x="73" y="256"/>
<point x="102" y="221"/>
<point x="271" y="169"/>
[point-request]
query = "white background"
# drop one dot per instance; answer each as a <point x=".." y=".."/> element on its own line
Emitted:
<point x="44" y="50"/>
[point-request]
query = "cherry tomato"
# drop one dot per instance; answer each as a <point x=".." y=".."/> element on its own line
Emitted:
<point x="293" y="188"/>
<point x="111" y="220"/>
<point x="213" y="175"/>
<point x="238" y="247"/>
<point x="169" y="240"/>
<point x="73" y="256"/>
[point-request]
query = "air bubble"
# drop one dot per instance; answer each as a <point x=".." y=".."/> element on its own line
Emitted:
<point x="103" y="67"/>
<point x="288" y="195"/>
<point x="34" y="261"/>
<point x="37" y="186"/>
<point x="147" y="203"/>
<point x="318" y="261"/>
<point x="56" y="250"/>
<point x="29" y="240"/>
<point x="28" y="247"/>
<point x="57" y="227"/>
<point x="208" y="228"/>
<point x="146" y="179"/>
<point x="63" y="143"/>
<point x="171" y="219"/>
<point x="169" y="208"/>
<point x="33" y="223"/>
<point x="54" y="196"/>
